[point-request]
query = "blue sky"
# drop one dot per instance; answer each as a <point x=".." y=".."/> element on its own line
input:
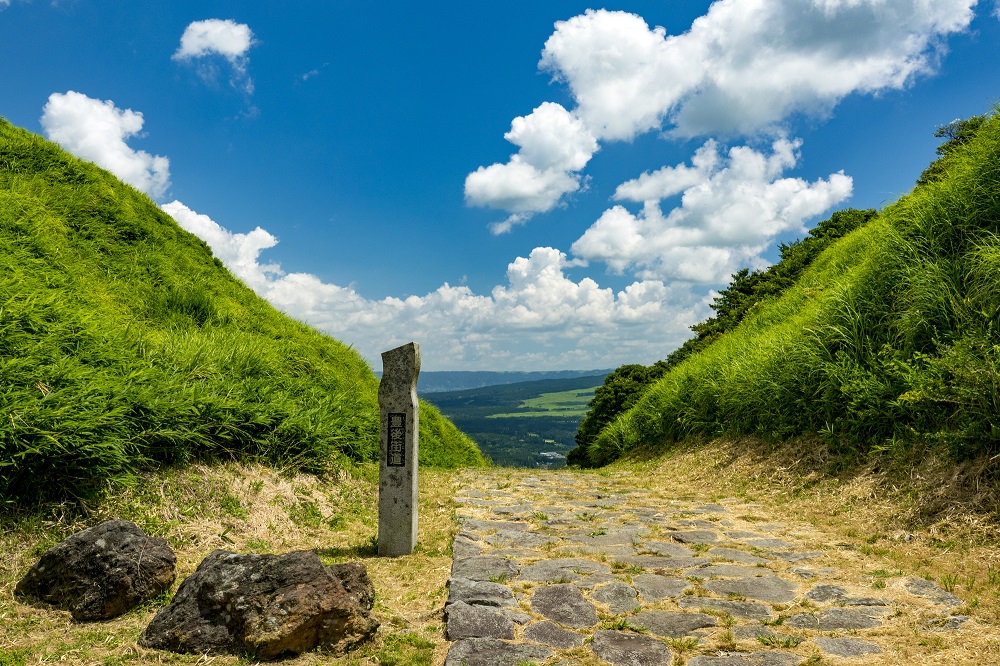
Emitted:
<point x="516" y="186"/>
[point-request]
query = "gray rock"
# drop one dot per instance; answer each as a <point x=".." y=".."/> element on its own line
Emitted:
<point x="763" y="588"/>
<point x="466" y="621"/>
<point x="616" y="537"/>
<point x="551" y="634"/>
<point x="833" y="618"/>
<point x="483" y="568"/>
<point x="710" y="508"/>
<point x="493" y="652"/>
<point x="695" y="536"/>
<point x="619" y="597"/>
<point x="932" y="591"/>
<point x="674" y="625"/>
<point x="515" y="616"/>
<point x="863" y="601"/>
<point x="746" y="610"/>
<point x="562" y="570"/>
<point x="564" y="604"/>
<point x="753" y="632"/>
<point x="762" y="658"/>
<point x="101" y="572"/>
<point x="626" y="649"/>
<point x="666" y="549"/>
<point x="479" y="593"/>
<point x="734" y="555"/>
<point x="266" y="606"/>
<point x="826" y="593"/>
<point x="847" y="647"/>
<point x="740" y="535"/>
<point x="654" y="587"/>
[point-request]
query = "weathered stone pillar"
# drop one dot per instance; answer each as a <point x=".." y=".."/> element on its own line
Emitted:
<point x="399" y="415"/>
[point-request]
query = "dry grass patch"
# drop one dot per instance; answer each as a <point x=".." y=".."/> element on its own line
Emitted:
<point x="243" y="508"/>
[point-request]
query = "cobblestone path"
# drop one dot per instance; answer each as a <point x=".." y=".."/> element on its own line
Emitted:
<point x="569" y="568"/>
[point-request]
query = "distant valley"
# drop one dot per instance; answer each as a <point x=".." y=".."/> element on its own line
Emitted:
<point x="521" y="424"/>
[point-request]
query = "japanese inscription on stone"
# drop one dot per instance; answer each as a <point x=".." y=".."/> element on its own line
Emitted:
<point x="396" y="455"/>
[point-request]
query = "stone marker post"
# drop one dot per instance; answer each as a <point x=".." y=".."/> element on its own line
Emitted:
<point x="399" y="416"/>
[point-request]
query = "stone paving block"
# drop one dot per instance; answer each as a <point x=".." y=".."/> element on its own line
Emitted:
<point x="763" y="588"/>
<point x="479" y="593"/>
<point x="674" y="625"/>
<point x="745" y="610"/>
<point x="551" y="634"/>
<point x="618" y="596"/>
<point x="484" y="568"/>
<point x="656" y="562"/>
<point x="726" y="571"/>
<point x="695" y="537"/>
<point x="833" y="618"/>
<point x="562" y="570"/>
<point x="564" y="604"/>
<point x="518" y="539"/>
<point x="467" y="621"/>
<point x="665" y="549"/>
<point x="761" y="658"/>
<point x="932" y="591"/>
<point x="734" y="555"/>
<point x="494" y="652"/>
<point x="654" y="587"/>
<point x="793" y="557"/>
<point x="627" y="649"/>
<point x="826" y="593"/>
<point x="847" y="647"/>
<point x="769" y="543"/>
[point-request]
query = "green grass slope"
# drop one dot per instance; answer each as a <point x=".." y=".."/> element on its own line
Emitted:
<point x="124" y="344"/>
<point x="888" y="342"/>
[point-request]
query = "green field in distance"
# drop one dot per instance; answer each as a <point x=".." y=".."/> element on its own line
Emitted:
<point x="562" y="403"/>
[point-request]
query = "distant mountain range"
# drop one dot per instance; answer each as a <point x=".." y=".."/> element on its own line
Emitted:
<point x="459" y="380"/>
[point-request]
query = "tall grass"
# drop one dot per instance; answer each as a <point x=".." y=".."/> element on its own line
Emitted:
<point x="124" y="344"/>
<point x="889" y="340"/>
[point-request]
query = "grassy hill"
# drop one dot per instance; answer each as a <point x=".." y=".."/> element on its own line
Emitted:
<point x="125" y="345"/>
<point x="887" y="343"/>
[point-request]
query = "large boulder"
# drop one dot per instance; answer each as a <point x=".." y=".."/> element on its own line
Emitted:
<point x="101" y="572"/>
<point x="266" y="606"/>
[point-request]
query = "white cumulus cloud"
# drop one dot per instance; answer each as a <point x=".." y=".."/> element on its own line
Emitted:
<point x="742" y="68"/>
<point x="732" y="209"/>
<point x="554" y="145"/>
<point x="540" y="318"/>
<point x="221" y="37"/>
<point x="97" y="130"/>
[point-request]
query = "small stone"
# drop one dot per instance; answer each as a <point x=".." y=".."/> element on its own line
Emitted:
<point x="674" y="625"/>
<point x="825" y="593"/>
<point x="479" y="593"/>
<point x="847" y="647"/>
<point x="494" y="652"/>
<point x="564" y="604"/>
<point x="551" y="634"/>
<point x="626" y="649"/>
<point x="932" y="591"/>
<point x="654" y="587"/>
<point x="764" y="588"/>
<point x="619" y="597"/>
<point x="863" y="601"/>
<point x="484" y="568"/>
<point x="747" y="610"/>
<point x="466" y="621"/>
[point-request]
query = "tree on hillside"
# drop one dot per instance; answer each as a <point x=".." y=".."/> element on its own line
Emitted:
<point x="956" y="133"/>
